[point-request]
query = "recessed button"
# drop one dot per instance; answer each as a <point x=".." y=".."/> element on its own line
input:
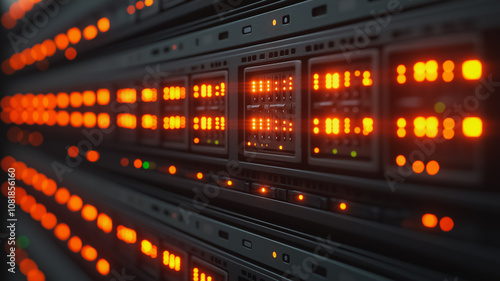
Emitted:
<point x="247" y="244"/>
<point x="247" y="29"/>
<point x="286" y="19"/>
<point x="286" y="258"/>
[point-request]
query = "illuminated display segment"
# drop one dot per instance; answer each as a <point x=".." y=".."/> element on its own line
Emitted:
<point x="342" y="120"/>
<point x="209" y="120"/>
<point x="174" y="262"/>
<point x="201" y="271"/>
<point x="272" y="111"/>
<point x="126" y="120"/>
<point x="173" y="113"/>
<point x="128" y="95"/>
<point x="126" y="234"/>
<point x="435" y="112"/>
<point x="148" y="95"/>
<point x="149" y="249"/>
<point x="149" y="121"/>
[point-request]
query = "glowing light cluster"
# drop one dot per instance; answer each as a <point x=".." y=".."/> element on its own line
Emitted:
<point x="337" y="126"/>
<point x="30" y="109"/>
<point x="268" y="124"/>
<point x="40" y="52"/>
<point x="47" y="219"/>
<point x="209" y="123"/>
<point x="127" y="95"/>
<point x="16" y="11"/>
<point x="472" y="127"/>
<point x="430" y="221"/>
<point x="174" y="122"/>
<point x="172" y="261"/>
<point x="174" y="93"/>
<point x="149" y="95"/>
<point x="149" y="121"/>
<point x="199" y="275"/>
<point x="149" y="249"/>
<point x="126" y="234"/>
<point x="432" y="167"/>
<point x="267" y="86"/>
<point x="139" y="5"/>
<point x="429" y="71"/>
<point x="209" y="90"/>
<point x="126" y="120"/>
<point x="337" y="80"/>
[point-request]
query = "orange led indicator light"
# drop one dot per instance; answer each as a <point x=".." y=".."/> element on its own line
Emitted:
<point x="172" y="169"/>
<point x="343" y="206"/>
<point x="429" y="220"/>
<point x="102" y="267"/>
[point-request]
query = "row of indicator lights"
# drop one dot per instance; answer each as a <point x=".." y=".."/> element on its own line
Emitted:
<point x="335" y="151"/>
<point x="208" y="90"/>
<point x="430" y="221"/>
<point x="333" y="80"/>
<point x="16" y="11"/>
<point x="49" y="220"/>
<point x="268" y="85"/>
<point x="342" y="205"/>
<point x="27" y="266"/>
<point x="62" y="196"/>
<point x="129" y="95"/>
<point x="332" y="126"/>
<point x="262" y="145"/>
<point x="61" y="118"/>
<point x="209" y="123"/>
<point x="48" y="48"/>
<point x="472" y="127"/>
<point x="428" y="71"/>
<point x="61" y="100"/>
<point x="199" y="275"/>
<point x="432" y="167"/>
<point x="174" y="122"/>
<point x="24" y="137"/>
<point x="138" y="163"/>
<point x="139" y="5"/>
<point x="174" y="93"/>
<point x="266" y="124"/>
<point x="91" y="155"/>
<point x="61" y="230"/>
<point x="149" y="121"/>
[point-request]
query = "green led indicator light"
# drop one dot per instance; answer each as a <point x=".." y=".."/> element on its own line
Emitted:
<point x="334" y="151"/>
<point x="217" y="142"/>
<point x="23" y="242"/>
<point x="145" y="165"/>
<point x="209" y="141"/>
<point x="439" y="107"/>
<point x="354" y="154"/>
